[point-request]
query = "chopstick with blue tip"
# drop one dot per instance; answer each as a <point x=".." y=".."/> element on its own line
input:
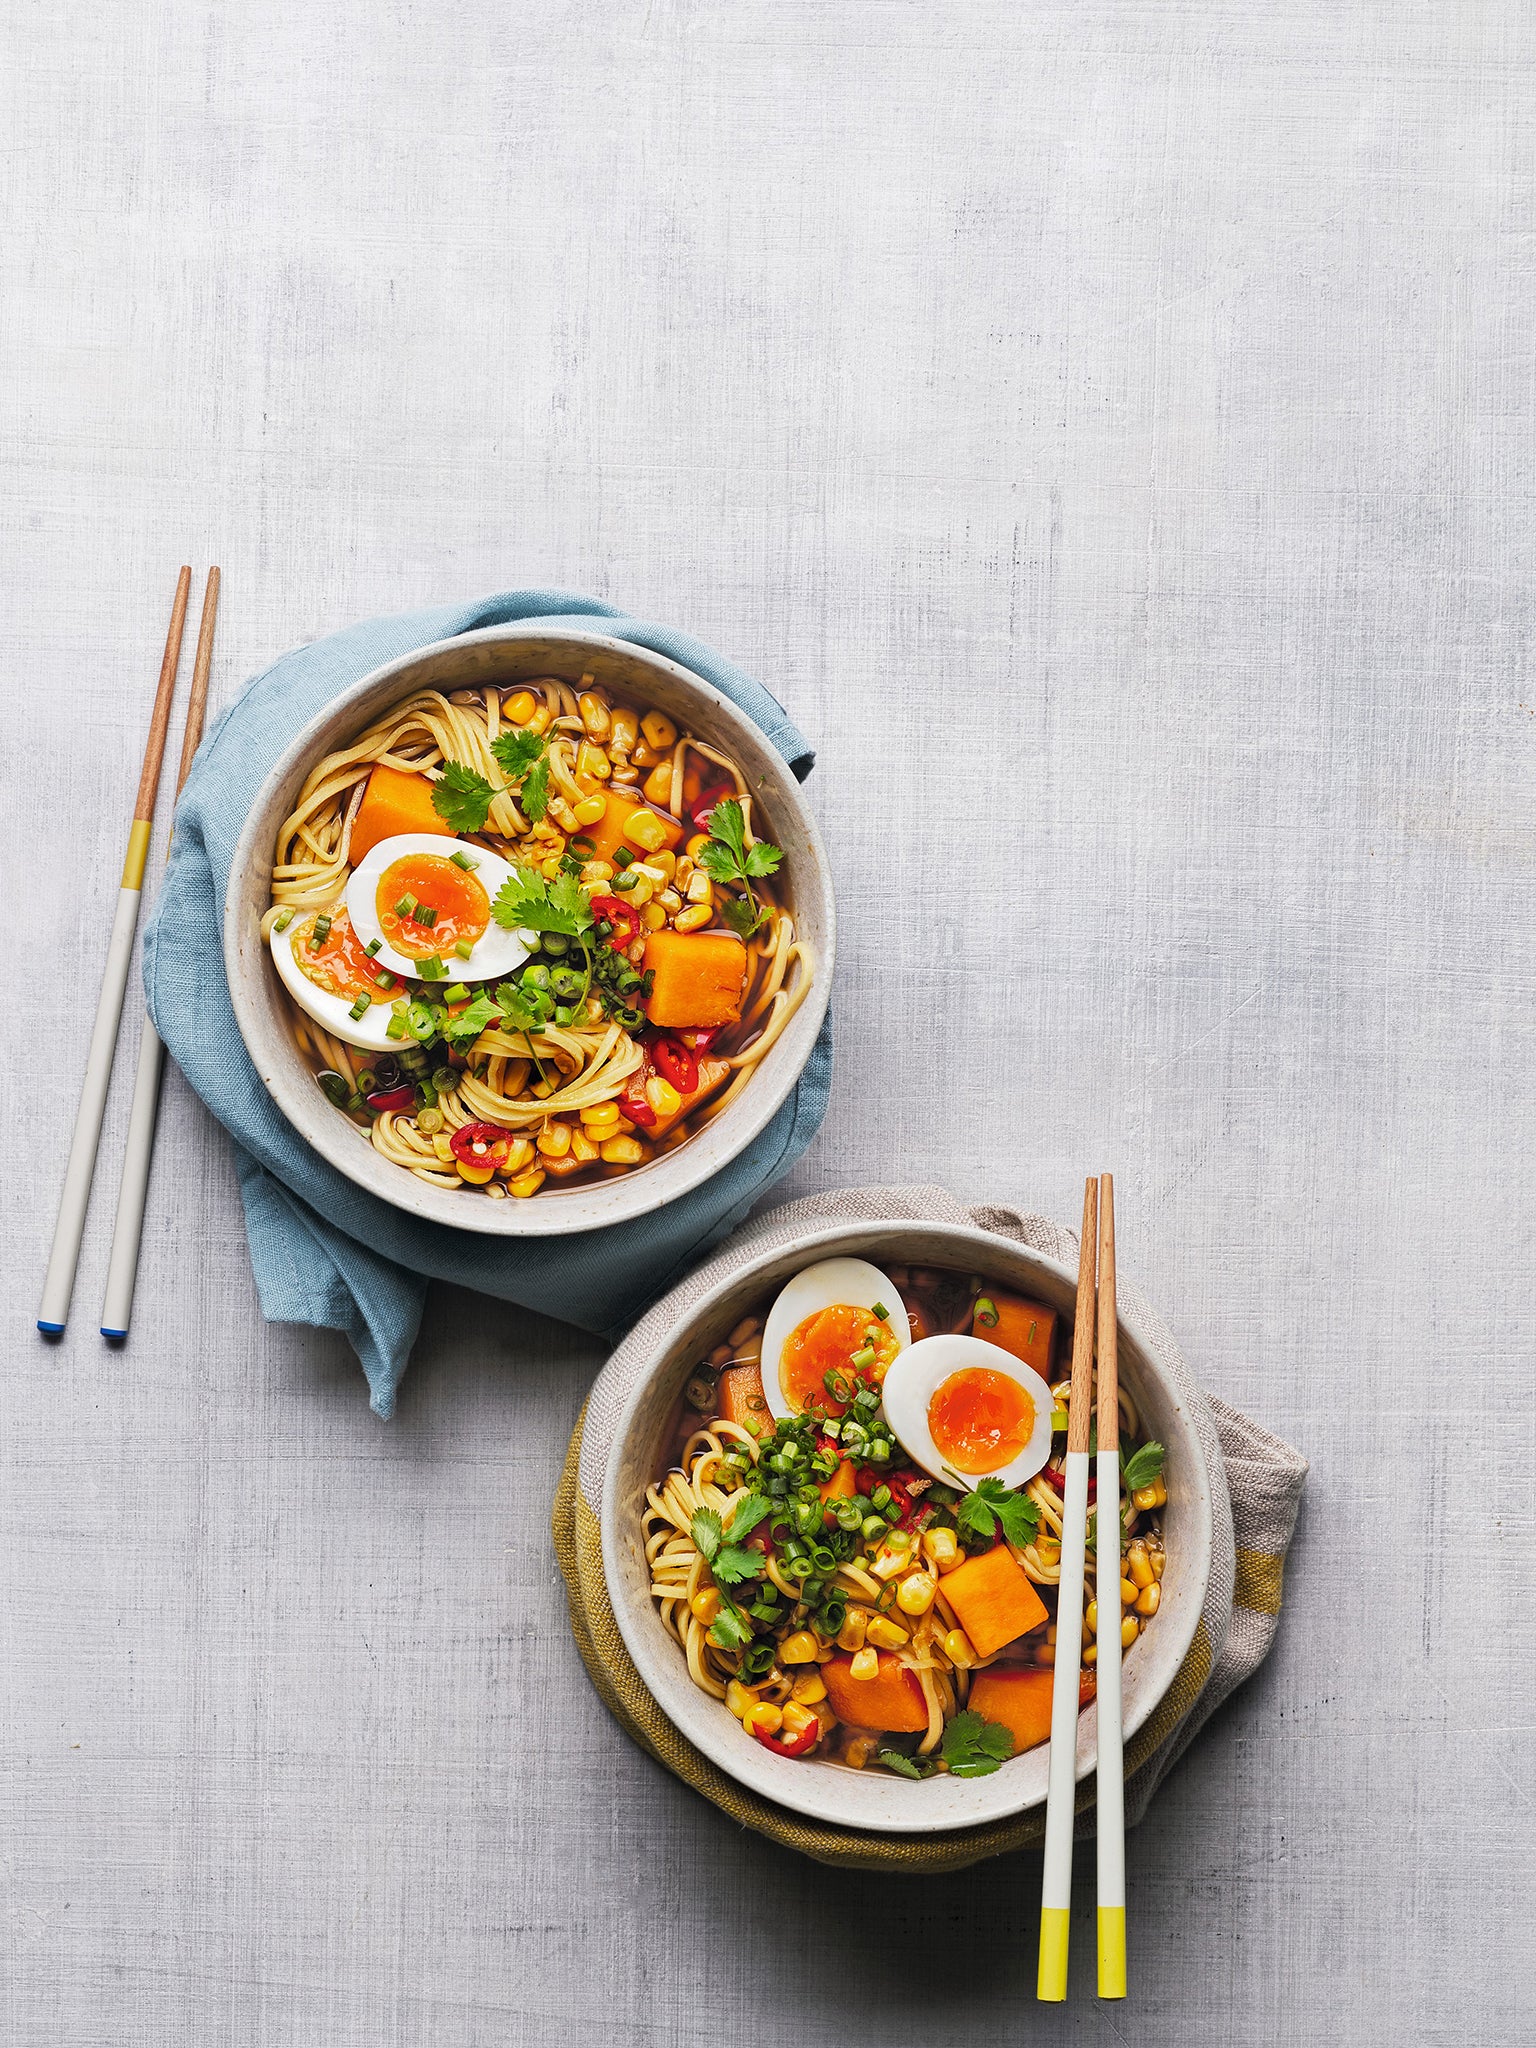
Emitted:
<point x="1110" y="1811"/>
<point x="1061" y="1797"/>
<point x="123" y="1265"/>
<point x="59" y="1282"/>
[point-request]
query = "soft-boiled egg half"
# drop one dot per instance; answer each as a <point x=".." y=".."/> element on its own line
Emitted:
<point x="843" y="1317"/>
<point x="329" y="977"/>
<point x="421" y="904"/>
<point x="967" y="1409"/>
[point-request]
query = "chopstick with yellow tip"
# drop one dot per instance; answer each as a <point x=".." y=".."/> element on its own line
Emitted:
<point x="123" y="1265"/>
<point x="1061" y="1797"/>
<point x="59" y="1282"/>
<point x="1110" y="1810"/>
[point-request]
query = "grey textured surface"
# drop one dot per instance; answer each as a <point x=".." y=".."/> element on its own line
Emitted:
<point x="1109" y="428"/>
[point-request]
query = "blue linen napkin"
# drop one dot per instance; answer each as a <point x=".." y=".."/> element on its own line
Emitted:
<point x="326" y="1252"/>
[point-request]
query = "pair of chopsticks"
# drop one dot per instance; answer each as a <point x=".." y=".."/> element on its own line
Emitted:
<point x="1095" y="1293"/>
<point x="59" y="1283"/>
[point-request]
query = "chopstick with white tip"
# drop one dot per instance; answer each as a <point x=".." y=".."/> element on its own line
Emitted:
<point x="59" y="1282"/>
<point x="1060" y="1807"/>
<point x="1110" y="1811"/>
<point x="123" y="1265"/>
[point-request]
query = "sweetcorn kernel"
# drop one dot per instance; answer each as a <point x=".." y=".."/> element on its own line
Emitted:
<point x="798" y="1718"/>
<point x="765" y="1715"/>
<point x="623" y="1151"/>
<point x="645" y="830"/>
<point x="596" y="1114"/>
<point x="738" y="1699"/>
<point x="658" y="784"/>
<point x="885" y="1632"/>
<point x="695" y="916"/>
<point x="800" y="1648"/>
<point x="591" y="760"/>
<point x="582" y="1147"/>
<point x="595" y="718"/>
<point x="659" y="730"/>
<point x="705" y="1605"/>
<point x="864" y="1664"/>
<point x="526" y="1184"/>
<point x="554" y="1140"/>
<point x="809" y="1687"/>
<point x="590" y="809"/>
<point x="521" y="707"/>
<point x="662" y="1096"/>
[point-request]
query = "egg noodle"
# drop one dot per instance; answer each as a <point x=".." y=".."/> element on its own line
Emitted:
<point x="874" y="1584"/>
<point x="586" y="1093"/>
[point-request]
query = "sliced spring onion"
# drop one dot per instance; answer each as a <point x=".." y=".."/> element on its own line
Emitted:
<point x="432" y="968"/>
<point x="418" y="1020"/>
<point x="464" y="948"/>
<point x="334" y="1088"/>
<point x="360" y="1008"/>
<point x="322" y="927"/>
<point x="425" y="914"/>
<point x="395" y="1028"/>
<point x="462" y="860"/>
<point x="384" y="979"/>
<point x="281" y="922"/>
<point x="374" y="947"/>
<point x="406" y="907"/>
<point x="457" y="994"/>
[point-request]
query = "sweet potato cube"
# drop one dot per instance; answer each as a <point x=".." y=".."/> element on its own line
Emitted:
<point x="699" y="977"/>
<point x="711" y="1074"/>
<point x="841" y="1486"/>
<point x="892" y="1700"/>
<point x="1019" y="1698"/>
<point x="741" y="1399"/>
<point x="1027" y="1329"/>
<point x="994" y="1600"/>
<point x="607" y="835"/>
<point x="394" y="803"/>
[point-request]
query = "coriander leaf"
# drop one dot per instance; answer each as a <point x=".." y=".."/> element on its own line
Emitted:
<point x="1143" y="1466"/>
<point x="467" y="1025"/>
<point x="973" y="1511"/>
<point x="718" y="862"/>
<point x="728" y="825"/>
<point x="705" y="1531"/>
<point x="526" y="901"/>
<point x="1020" y="1518"/>
<point x="519" y="1012"/>
<point x="735" y="1563"/>
<point x="517" y="752"/>
<point x="974" y="1748"/>
<point x="461" y="798"/>
<point x="742" y="915"/>
<point x="905" y="1766"/>
<point x="731" y="1630"/>
<point x="534" y="794"/>
<point x="748" y="1514"/>
<point x="762" y="859"/>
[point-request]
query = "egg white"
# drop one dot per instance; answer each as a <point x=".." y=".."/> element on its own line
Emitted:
<point x="496" y="952"/>
<point x="332" y="1013"/>
<point x="831" y="1283"/>
<point x="916" y="1376"/>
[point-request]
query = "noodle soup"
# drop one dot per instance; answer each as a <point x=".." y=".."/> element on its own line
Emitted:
<point x="830" y="1574"/>
<point x="530" y="937"/>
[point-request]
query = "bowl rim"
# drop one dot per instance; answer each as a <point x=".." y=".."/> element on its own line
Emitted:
<point x="662" y="1181"/>
<point x="782" y="1782"/>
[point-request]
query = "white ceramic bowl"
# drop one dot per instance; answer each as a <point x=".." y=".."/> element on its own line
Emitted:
<point x="504" y="655"/>
<point x="876" y="1799"/>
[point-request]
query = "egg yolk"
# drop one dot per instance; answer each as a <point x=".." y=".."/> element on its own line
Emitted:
<point x="828" y="1341"/>
<point x="338" y="964"/>
<point x="979" y="1419"/>
<point x="458" y="909"/>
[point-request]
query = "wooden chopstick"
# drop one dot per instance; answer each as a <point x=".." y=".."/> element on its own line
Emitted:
<point x="59" y="1282"/>
<point x="1110" y="1815"/>
<point x="1061" y="1799"/>
<point x="138" y="1152"/>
